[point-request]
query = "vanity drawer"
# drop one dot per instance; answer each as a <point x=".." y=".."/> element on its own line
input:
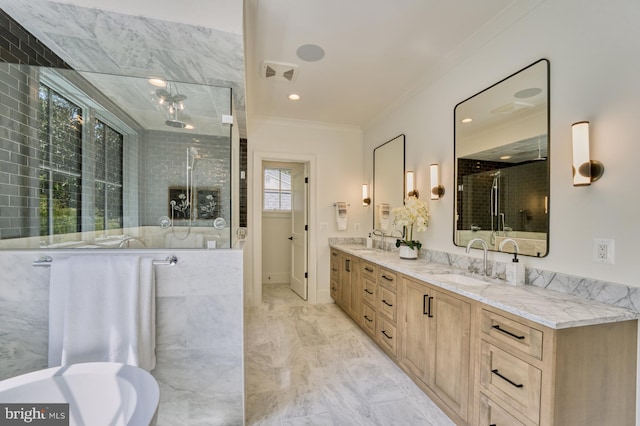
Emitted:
<point x="512" y="379"/>
<point x="387" y="335"/>
<point x="369" y="291"/>
<point x="369" y="319"/>
<point x="387" y="278"/>
<point x="387" y="303"/>
<point x="493" y="414"/>
<point x="513" y="333"/>
<point x="369" y="270"/>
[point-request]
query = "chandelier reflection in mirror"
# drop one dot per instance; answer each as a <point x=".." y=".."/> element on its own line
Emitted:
<point x="173" y="102"/>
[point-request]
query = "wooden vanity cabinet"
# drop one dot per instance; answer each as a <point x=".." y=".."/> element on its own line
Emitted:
<point x="436" y="343"/>
<point x="534" y="375"/>
<point x="484" y="366"/>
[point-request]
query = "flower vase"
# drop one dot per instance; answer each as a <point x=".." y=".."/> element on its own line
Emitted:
<point x="407" y="252"/>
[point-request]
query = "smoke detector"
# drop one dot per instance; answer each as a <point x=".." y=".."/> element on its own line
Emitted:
<point x="279" y="71"/>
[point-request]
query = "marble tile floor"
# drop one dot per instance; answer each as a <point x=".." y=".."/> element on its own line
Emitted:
<point x="311" y="365"/>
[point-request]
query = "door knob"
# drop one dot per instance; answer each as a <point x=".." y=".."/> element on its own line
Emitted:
<point x="291" y="238"/>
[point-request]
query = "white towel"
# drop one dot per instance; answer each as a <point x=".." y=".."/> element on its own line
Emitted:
<point x="341" y="215"/>
<point x="384" y="216"/>
<point x="102" y="308"/>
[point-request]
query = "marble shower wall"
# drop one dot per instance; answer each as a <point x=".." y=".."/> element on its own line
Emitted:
<point x="199" y="329"/>
<point x="113" y="43"/>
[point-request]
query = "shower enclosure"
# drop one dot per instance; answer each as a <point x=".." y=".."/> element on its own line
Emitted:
<point x="103" y="161"/>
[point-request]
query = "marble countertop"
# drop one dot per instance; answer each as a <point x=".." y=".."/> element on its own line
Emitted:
<point x="547" y="307"/>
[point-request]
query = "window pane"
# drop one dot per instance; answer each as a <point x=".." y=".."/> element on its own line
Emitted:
<point x="271" y="200"/>
<point x="285" y="177"/>
<point x="114" y="156"/>
<point x="66" y="203"/>
<point x="114" y="207"/>
<point x="285" y="201"/>
<point x="99" y="150"/>
<point x="100" y="201"/>
<point x="66" y="134"/>
<point x="271" y="179"/>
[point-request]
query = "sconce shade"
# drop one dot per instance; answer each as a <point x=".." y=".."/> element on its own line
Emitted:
<point x="437" y="190"/>
<point x="585" y="170"/>
<point x="410" y="184"/>
<point x="365" y="195"/>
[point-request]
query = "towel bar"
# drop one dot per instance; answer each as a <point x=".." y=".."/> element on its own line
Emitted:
<point x="46" y="261"/>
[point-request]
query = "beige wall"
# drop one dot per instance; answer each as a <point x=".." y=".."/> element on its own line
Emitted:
<point x="335" y="156"/>
<point x="594" y="76"/>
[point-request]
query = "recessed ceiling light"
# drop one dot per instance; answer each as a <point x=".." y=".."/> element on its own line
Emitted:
<point x="158" y="82"/>
<point x="467" y="120"/>
<point x="294" y="97"/>
<point x="505" y="157"/>
<point x="310" y="52"/>
<point x="528" y="93"/>
<point x="189" y="127"/>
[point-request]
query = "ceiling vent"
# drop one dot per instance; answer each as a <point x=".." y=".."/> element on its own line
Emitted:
<point x="279" y="71"/>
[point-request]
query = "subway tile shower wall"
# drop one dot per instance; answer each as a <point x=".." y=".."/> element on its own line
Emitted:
<point x="164" y="163"/>
<point x="18" y="46"/>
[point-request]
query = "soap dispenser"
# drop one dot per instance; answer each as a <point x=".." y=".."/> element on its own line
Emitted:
<point x="514" y="271"/>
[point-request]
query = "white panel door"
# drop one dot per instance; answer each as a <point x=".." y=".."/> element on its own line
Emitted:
<point x="299" y="231"/>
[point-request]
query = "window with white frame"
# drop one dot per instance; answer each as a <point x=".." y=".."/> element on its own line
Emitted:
<point x="63" y="153"/>
<point x="277" y="189"/>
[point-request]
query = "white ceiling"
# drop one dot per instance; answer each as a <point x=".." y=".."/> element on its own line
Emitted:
<point x="376" y="51"/>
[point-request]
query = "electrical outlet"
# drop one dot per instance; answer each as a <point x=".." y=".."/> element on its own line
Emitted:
<point x="603" y="250"/>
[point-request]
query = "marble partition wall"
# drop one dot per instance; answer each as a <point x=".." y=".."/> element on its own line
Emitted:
<point x="199" y="329"/>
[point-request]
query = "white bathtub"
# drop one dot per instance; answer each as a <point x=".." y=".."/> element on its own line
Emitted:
<point x="98" y="393"/>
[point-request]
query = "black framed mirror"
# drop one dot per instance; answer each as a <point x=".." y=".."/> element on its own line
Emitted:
<point x="388" y="182"/>
<point x="501" y="149"/>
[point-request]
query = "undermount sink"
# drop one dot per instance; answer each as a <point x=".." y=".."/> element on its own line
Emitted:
<point x="459" y="279"/>
<point x="365" y="250"/>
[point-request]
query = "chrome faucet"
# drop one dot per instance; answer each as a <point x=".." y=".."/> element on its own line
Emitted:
<point x="484" y="247"/>
<point x="515" y="246"/>
<point x="379" y="233"/>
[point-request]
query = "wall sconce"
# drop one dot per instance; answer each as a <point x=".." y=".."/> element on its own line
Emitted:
<point x="410" y="184"/>
<point x="365" y="195"/>
<point x="585" y="170"/>
<point x="437" y="190"/>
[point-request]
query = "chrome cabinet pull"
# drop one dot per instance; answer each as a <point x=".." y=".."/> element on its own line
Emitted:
<point x="386" y="335"/>
<point x="368" y="319"/>
<point x="387" y="278"/>
<point x="366" y="268"/>
<point x="366" y="290"/>
<point x="518" y="385"/>
<point x="497" y="327"/>
<point x="386" y="303"/>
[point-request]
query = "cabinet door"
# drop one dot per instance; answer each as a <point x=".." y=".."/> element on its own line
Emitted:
<point x="344" y="292"/>
<point x="449" y="343"/>
<point x="354" y="307"/>
<point x="414" y="353"/>
<point x="336" y="266"/>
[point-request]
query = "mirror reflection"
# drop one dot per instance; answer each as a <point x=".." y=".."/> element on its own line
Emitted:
<point x="388" y="182"/>
<point x="101" y="161"/>
<point x="502" y="163"/>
